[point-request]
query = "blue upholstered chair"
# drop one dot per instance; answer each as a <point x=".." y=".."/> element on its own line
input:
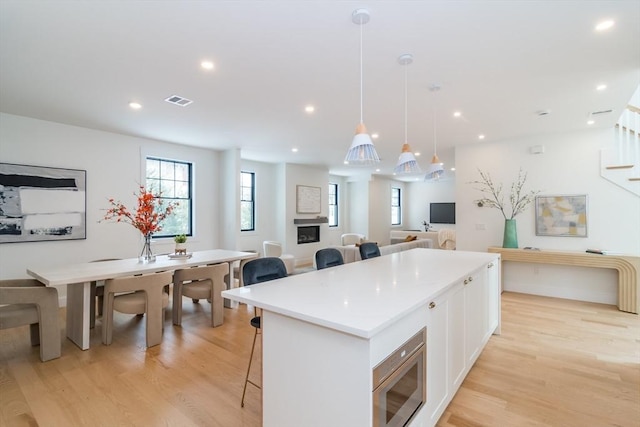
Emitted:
<point x="369" y="250"/>
<point x="257" y="271"/>
<point x="328" y="257"/>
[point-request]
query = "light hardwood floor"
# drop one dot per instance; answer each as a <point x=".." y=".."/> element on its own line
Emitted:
<point x="557" y="363"/>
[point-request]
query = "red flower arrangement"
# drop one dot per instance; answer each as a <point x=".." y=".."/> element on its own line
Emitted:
<point x="147" y="218"/>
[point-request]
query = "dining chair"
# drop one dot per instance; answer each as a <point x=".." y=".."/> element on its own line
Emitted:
<point x="29" y="302"/>
<point x="259" y="270"/>
<point x="206" y="282"/>
<point x="369" y="250"/>
<point x="328" y="257"/>
<point x="145" y="294"/>
<point x="351" y="239"/>
<point x="97" y="296"/>
<point x="274" y="249"/>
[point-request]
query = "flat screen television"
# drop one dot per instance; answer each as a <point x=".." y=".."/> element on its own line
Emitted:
<point x="442" y="213"/>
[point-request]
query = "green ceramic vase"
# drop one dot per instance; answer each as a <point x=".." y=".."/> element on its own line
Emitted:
<point x="510" y="239"/>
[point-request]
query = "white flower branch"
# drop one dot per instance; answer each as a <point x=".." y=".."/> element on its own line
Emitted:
<point x="518" y="198"/>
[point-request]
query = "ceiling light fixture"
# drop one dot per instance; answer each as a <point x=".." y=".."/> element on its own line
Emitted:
<point x="207" y="65"/>
<point x="407" y="163"/>
<point x="309" y="109"/>
<point x="135" y="105"/>
<point x="435" y="170"/>
<point x="604" y="25"/>
<point x="457" y="114"/>
<point x="480" y="136"/>
<point x="601" y="87"/>
<point x="362" y="151"/>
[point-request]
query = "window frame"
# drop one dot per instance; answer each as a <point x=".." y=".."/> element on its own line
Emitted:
<point x="188" y="200"/>
<point x="333" y="204"/>
<point x="396" y="209"/>
<point x="252" y="201"/>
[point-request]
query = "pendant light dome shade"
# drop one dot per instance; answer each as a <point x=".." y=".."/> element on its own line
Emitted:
<point x="362" y="151"/>
<point x="436" y="169"/>
<point x="407" y="163"/>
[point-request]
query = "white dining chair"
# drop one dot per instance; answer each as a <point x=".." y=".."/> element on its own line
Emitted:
<point x="274" y="249"/>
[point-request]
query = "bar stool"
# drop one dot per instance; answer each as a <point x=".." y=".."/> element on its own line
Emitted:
<point x="255" y="271"/>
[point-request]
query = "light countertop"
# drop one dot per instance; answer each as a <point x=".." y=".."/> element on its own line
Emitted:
<point x="364" y="297"/>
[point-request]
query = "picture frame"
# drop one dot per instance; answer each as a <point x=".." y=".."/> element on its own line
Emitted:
<point x="561" y="215"/>
<point x="40" y="203"/>
<point x="308" y="199"/>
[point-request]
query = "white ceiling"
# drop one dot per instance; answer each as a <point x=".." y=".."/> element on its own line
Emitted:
<point x="499" y="62"/>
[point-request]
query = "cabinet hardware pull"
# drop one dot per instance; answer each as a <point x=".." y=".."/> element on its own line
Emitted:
<point x="466" y="281"/>
<point x="432" y="305"/>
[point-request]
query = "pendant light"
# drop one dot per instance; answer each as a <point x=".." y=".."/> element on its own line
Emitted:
<point x="435" y="170"/>
<point x="407" y="163"/>
<point x="362" y="151"/>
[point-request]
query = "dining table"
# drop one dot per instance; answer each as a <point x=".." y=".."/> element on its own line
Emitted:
<point x="78" y="277"/>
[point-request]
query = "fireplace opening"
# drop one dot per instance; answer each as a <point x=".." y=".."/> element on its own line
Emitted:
<point x="310" y="234"/>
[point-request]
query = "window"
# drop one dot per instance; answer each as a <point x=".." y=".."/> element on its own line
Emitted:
<point x="247" y="201"/>
<point x="333" y="205"/>
<point x="396" y="212"/>
<point x="173" y="181"/>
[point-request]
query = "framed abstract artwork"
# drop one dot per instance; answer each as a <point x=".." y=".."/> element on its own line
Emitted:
<point x="307" y="199"/>
<point x="39" y="203"/>
<point x="561" y="215"/>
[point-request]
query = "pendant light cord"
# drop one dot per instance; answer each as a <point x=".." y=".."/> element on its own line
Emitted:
<point x="361" y="78"/>
<point x="405" y="103"/>
<point x="435" y="139"/>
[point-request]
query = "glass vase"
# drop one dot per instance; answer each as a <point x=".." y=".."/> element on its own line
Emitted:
<point x="510" y="238"/>
<point x="146" y="255"/>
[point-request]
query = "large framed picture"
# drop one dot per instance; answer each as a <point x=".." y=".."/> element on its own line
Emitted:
<point x="561" y="215"/>
<point x="39" y="203"/>
<point x="307" y="199"/>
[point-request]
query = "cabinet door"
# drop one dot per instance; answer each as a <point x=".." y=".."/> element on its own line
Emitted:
<point x="437" y="360"/>
<point x="493" y="298"/>
<point x="476" y="320"/>
<point x="456" y="323"/>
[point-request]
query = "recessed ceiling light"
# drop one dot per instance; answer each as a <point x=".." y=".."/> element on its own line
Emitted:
<point x="480" y="136"/>
<point x="378" y="170"/>
<point x="601" y="87"/>
<point x="417" y="154"/>
<point x="309" y="109"/>
<point x="345" y="162"/>
<point x="604" y="25"/>
<point x="452" y="169"/>
<point x="590" y="122"/>
<point x="207" y="65"/>
<point x="457" y="114"/>
<point x="294" y="150"/>
<point x="135" y="105"/>
<point x="374" y="135"/>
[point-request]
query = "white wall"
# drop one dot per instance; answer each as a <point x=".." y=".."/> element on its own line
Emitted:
<point x="113" y="164"/>
<point x="569" y="165"/>
<point x="266" y="205"/>
<point x="420" y="194"/>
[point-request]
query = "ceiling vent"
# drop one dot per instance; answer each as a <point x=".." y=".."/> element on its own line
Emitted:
<point x="178" y="100"/>
<point x="601" y="112"/>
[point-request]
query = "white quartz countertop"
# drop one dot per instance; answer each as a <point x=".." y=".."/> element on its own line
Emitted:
<point x="362" y="298"/>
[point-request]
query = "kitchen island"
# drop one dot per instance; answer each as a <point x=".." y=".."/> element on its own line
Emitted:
<point x="325" y="331"/>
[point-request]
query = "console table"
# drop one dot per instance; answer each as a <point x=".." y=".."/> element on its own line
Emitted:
<point x="626" y="265"/>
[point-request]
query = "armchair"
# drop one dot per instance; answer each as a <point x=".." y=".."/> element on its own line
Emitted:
<point x="29" y="302"/>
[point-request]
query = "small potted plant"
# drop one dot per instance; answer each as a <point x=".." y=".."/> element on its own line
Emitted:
<point x="181" y="247"/>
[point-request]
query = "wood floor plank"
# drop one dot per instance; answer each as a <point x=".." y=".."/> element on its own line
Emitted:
<point x="557" y="363"/>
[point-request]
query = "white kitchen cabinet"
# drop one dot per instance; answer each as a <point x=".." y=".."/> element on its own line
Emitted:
<point x="325" y="331"/>
<point x="437" y="357"/>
